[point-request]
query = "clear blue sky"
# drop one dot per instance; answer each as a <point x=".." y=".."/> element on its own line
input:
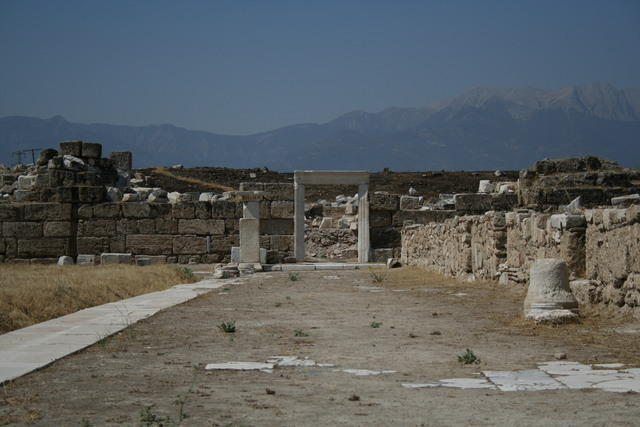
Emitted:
<point x="240" y="67"/>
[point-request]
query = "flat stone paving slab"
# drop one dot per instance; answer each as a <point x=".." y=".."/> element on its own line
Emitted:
<point x="27" y="349"/>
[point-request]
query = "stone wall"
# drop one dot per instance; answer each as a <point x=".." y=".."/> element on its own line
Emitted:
<point x="180" y="232"/>
<point x="601" y="248"/>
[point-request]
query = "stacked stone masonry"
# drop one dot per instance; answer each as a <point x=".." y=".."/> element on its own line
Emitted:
<point x="601" y="248"/>
<point x="182" y="232"/>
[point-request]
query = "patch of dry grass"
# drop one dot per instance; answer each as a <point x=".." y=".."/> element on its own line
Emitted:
<point x="31" y="294"/>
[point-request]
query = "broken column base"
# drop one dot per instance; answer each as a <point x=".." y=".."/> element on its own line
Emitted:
<point x="550" y="313"/>
<point x="249" y="268"/>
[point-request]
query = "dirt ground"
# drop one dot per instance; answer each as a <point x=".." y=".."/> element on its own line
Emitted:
<point x="425" y="321"/>
<point x="428" y="183"/>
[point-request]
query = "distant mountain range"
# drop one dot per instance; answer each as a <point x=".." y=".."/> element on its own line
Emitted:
<point x="482" y="129"/>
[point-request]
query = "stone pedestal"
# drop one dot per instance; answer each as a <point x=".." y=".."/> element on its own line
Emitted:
<point x="549" y="297"/>
<point x="250" y="227"/>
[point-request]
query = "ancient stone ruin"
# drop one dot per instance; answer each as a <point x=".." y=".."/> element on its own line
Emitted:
<point x="584" y="211"/>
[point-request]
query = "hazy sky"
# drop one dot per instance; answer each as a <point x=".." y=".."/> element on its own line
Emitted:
<point x="245" y="66"/>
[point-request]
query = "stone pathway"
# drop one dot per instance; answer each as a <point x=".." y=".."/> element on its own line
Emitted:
<point x="27" y="349"/>
<point x="549" y="376"/>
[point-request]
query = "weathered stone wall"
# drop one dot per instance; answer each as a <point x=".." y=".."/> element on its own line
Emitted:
<point x="467" y="247"/>
<point x="613" y="258"/>
<point x="601" y="248"/>
<point x="181" y="232"/>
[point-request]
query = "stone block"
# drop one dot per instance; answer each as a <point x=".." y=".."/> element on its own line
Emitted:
<point x="184" y="211"/>
<point x="567" y="221"/>
<point x="66" y="194"/>
<point x="231" y="226"/>
<point x="52" y="247"/>
<point x="166" y="226"/>
<point x="276" y="226"/>
<point x="249" y="240"/>
<point x="251" y="210"/>
<point x="22" y="229"/>
<point x="107" y="210"/>
<point x="26" y="196"/>
<point x="223" y="244"/>
<point x="92" y="245"/>
<point x="149" y="244"/>
<point x="150" y="259"/>
<point x="85" y="211"/>
<point x="626" y="200"/>
<point x="382" y="201"/>
<point x="282" y="209"/>
<point x="202" y="210"/>
<point x="485" y="186"/>
<point x="91" y="194"/>
<point x="281" y="243"/>
<point x="86" y="178"/>
<point x="201" y="226"/>
<point x="146" y="226"/>
<point x="409" y="203"/>
<point x="65" y="260"/>
<point x="97" y="228"/>
<point x="86" y="259"/>
<point x="26" y="182"/>
<point x="225" y="209"/>
<point x="118" y="244"/>
<point x="504" y="202"/>
<point x="8" y="212"/>
<point x="380" y="218"/>
<point x="72" y="148"/>
<point x="190" y="245"/>
<point x="91" y="150"/>
<point x="136" y="210"/>
<point x="47" y="211"/>
<point x="115" y="258"/>
<point x="549" y="289"/>
<point x="471" y="202"/>
<point x="57" y="229"/>
<point x="122" y="160"/>
<point x="235" y="254"/>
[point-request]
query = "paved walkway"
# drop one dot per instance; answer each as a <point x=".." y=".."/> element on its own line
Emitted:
<point x="27" y="349"/>
<point x="34" y="347"/>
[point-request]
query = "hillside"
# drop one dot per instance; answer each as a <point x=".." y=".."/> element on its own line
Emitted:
<point x="482" y="129"/>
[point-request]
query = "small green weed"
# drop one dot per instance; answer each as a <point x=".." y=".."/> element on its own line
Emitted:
<point x="228" y="327"/>
<point x="300" y="333"/>
<point x="149" y="419"/>
<point x="294" y="277"/>
<point x="288" y="298"/>
<point x="278" y="304"/>
<point x="375" y="324"/>
<point x="185" y="273"/>
<point x="468" y="357"/>
<point x="85" y="423"/>
<point x="378" y="276"/>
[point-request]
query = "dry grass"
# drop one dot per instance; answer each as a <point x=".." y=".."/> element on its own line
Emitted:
<point x="166" y="172"/>
<point x="33" y="294"/>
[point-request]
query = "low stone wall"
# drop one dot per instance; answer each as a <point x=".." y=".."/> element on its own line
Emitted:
<point x="601" y="248"/>
<point x="181" y="232"/>
<point x="613" y="259"/>
<point x="467" y="247"/>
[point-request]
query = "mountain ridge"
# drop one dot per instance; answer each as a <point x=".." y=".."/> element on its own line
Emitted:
<point x="483" y="128"/>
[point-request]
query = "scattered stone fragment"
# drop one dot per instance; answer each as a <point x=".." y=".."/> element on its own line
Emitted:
<point x="65" y="260"/>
